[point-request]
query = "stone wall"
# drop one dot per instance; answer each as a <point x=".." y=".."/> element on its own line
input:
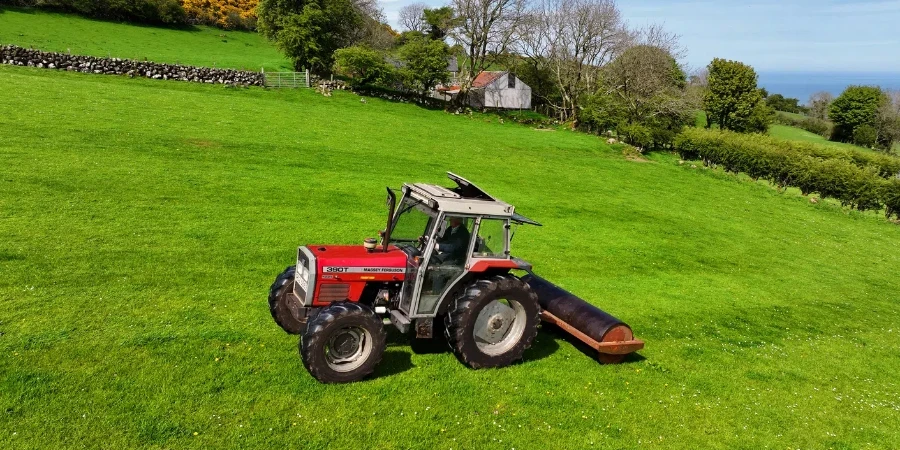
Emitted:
<point x="18" y="56"/>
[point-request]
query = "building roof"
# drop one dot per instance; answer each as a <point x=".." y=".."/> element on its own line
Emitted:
<point x="485" y="78"/>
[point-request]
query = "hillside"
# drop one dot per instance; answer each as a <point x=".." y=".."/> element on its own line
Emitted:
<point x="799" y="134"/>
<point x="145" y="220"/>
<point x="197" y="46"/>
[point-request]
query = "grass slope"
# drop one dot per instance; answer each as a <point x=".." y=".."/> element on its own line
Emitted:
<point x="799" y="134"/>
<point x="144" y="221"/>
<point x="198" y="46"/>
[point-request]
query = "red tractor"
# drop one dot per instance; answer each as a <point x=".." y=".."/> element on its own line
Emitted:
<point x="443" y="263"/>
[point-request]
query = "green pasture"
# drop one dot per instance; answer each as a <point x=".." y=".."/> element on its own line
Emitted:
<point x="197" y="46"/>
<point x="799" y="134"/>
<point x="143" y="222"/>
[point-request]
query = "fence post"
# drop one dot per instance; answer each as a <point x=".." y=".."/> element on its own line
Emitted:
<point x="307" y="77"/>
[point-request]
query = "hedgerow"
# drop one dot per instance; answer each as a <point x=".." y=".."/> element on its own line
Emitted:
<point x="227" y="14"/>
<point x="168" y="12"/>
<point x="856" y="179"/>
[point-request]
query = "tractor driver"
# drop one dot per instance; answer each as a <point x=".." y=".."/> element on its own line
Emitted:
<point x="452" y="245"/>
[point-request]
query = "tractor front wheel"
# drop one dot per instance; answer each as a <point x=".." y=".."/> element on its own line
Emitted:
<point x="492" y="322"/>
<point x="343" y="343"/>
<point x="278" y="302"/>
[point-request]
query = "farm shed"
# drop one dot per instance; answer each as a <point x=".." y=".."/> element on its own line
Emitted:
<point x="499" y="90"/>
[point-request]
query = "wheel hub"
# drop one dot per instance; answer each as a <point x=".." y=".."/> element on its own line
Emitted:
<point x="348" y="348"/>
<point x="345" y="344"/>
<point x="499" y="326"/>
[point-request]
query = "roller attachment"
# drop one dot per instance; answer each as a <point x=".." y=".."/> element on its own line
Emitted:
<point x="609" y="336"/>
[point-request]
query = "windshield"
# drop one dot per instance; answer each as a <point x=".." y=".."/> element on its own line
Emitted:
<point x="413" y="220"/>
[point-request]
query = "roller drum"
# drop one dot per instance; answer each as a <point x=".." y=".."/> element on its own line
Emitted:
<point x="590" y="320"/>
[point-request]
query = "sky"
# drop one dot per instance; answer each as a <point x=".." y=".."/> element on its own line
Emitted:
<point x="770" y="35"/>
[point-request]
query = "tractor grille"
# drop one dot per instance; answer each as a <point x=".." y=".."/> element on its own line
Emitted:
<point x="333" y="292"/>
<point x="299" y="291"/>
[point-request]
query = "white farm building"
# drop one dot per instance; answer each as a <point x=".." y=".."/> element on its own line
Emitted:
<point x="499" y="90"/>
<point x="493" y="90"/>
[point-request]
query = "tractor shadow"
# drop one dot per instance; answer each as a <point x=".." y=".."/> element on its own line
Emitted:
<point x="397" y="359"/>
<point x="542" y="347"/>
<point x="392" y="363"/>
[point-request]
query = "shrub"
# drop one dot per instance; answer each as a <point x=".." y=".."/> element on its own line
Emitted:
<point x="637" y="135"/>
<point x="890" y="194"/>
<point x="227" y="14"/>
<point x="818" y="126"/>
<point x="856" y="179"/>
<point x="363" y="66"/>
<point x="865" y="136"/>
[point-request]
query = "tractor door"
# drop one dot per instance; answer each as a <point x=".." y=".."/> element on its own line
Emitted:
<point x="443" y="263"/>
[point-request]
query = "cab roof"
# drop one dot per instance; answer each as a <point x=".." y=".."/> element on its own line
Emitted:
<point x="465" y="198"/>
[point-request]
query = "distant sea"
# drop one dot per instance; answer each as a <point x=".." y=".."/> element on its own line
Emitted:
<point x="802" y="85"/>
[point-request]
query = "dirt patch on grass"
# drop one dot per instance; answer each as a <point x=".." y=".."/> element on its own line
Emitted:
<point x="634" y="155"/>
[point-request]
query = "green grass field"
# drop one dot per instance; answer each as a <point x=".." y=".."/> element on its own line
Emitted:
<point x="799" y="134"/>
<point x="143" y="222"/>
<point x="198" y="46"/>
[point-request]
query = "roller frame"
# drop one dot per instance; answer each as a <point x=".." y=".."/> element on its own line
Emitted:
<point x="606" y="348"/>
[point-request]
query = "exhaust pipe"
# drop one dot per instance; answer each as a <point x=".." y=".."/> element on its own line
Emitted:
<point x="609" y="336"/>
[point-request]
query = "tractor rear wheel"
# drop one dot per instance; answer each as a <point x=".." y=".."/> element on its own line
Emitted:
<point x="492" y="322"/>
<point x="343" y="343"/>
<point x="278" y="302"/>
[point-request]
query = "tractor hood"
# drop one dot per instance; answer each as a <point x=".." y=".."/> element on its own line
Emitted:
<point x="355" y="259"/>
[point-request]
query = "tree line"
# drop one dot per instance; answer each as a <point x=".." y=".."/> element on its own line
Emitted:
<point x="226" y="14"/>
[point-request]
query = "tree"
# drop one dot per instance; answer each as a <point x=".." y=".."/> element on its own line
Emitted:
<point x="374" y="31"/>
<point x="856" y="106"/>
<point x="646" y="98"/>
<point x="425" y="64"/>
<point x="412" y="17"/>
<point x="732" y="99"/>
<point x="309" y="31"/>
<point x="887" y="122"/>
<point x="439" y="21"/>
<point x="363" y="65"/>
<point x="779" y="102"/>
<point x="484" y="28"/>
<point x="819" y="103"/>
<point x="571" y="40"/>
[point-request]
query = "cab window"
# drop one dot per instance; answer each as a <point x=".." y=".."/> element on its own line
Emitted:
<point x="491" y="241"/>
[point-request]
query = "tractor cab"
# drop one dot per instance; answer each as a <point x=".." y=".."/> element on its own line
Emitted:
<point x="449" y="235"/>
